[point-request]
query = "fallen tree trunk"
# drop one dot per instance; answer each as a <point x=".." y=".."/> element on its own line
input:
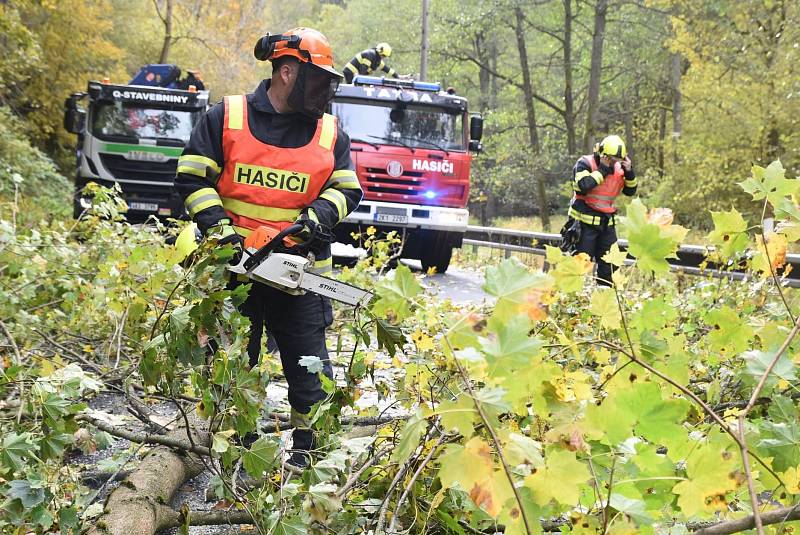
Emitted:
<point x="136" y="506"/>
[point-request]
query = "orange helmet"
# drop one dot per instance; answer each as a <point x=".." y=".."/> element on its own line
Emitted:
<point x="305" y="44"/>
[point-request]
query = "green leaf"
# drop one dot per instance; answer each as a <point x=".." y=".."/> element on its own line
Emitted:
<point x="562" y="479"/>
<point x="770" y="183"/>
<point x="410" y="437"/>
<point x="511" y="280"/>
<point x="730" y="334"/>
<point x="459" y="415"/>
<point x="16" y="447"/>
<point x="21" y="490"/>
<point x="389" y="337"/>
<point x="759" y="361"/>
<point x="312" y="363"/>
<point x="730" y="233"/>
<point x="604" y="304"/>
<point x="260" y="458"/>
<point x="219" y="441"/>
<point x="647" y="242"/>
<point x="394" y="294"/>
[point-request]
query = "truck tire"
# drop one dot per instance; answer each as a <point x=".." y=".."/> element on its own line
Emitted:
<point x="438" y="253"/>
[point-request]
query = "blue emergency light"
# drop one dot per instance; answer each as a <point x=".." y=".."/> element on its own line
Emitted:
<point x="394" y="82"/>
<point x="430" y="194"/>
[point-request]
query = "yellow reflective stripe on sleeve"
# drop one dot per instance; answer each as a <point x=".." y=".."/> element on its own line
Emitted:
<point x="256" y="211"/>
<point x="338" y="199"/>
<point x="630" y="183"/>
<point x="362" y="60"/>
<point x="352" y="68"/>
<point x="343" y="179"/>
<point x="189" y="159"/>
<point x="312" y="215"/>
<point x="192" y="170"/>
<point x="241" y="231"/>
<point x="200" y="193"/>
<point x="202" y="204"/>
<point x="235" y="111"/>
<point x="581" y="174"/>
<point x="328" y="129"/>
<point x="598" y="176"/>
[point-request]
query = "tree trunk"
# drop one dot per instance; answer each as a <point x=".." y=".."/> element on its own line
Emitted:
<point x="593" y="98"/>
<point x="135" y="507"/>
<point x="675" y="79"/>
<point x="162" y="58"/>
<point x="423" y="58"/>
<point x="541" y="193"/>
<point x="569" y="103"/>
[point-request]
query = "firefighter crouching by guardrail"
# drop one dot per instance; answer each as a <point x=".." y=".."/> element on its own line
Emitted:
<point x="598" y="179"/>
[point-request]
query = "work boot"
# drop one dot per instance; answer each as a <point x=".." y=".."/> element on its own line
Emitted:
<point x="302" y="440"/>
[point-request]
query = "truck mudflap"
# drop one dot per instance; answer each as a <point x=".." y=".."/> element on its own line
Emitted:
<point x="410" y="216"/>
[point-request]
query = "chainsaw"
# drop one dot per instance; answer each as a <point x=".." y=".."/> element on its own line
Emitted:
<point x="268" y="258"/>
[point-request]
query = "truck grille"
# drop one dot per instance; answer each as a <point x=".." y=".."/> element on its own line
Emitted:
<point x="122" y="169"/>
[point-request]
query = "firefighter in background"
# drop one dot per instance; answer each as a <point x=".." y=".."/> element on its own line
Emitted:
<point x="227" y="179"/>
<point x="598" y="179"/>
<point x="368" y="61"/>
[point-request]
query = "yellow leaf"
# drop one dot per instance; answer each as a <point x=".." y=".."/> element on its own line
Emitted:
<point x="614" y="256"/>
<point x="371" y="231"/>
<point x="422" y="340"/>
<point x="604" y="304"/>
<point x="792" y="479"/>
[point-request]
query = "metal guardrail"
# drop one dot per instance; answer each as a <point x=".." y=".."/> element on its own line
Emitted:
<point x="689" y="257"/>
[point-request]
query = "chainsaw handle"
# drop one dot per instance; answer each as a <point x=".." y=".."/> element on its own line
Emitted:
<point x="266" y="249"/>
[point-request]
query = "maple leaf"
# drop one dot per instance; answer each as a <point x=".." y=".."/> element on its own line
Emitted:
<point x="792" y="479"/>
<point x="615" y="256"/>
<point x="771" y="253"/>
<point x="604" y="304"/>
<point x="730" y="233"/>
<point x="562" y="479"/>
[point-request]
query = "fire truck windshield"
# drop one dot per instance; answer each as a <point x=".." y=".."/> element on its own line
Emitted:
<point x="414" y="126"/>
<point x="119" y="120"/>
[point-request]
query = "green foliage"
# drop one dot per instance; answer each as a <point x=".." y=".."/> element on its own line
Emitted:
<point x="28" y="175"/>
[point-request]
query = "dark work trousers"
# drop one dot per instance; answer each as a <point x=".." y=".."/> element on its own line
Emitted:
<point x="297" y="324"/>
<point x="595" y="241"/>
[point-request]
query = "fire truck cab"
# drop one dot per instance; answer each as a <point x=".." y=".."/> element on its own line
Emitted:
<point x="411" y="145"/>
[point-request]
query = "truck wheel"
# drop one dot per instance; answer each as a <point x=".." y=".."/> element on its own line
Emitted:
<point x="438" y="254"/>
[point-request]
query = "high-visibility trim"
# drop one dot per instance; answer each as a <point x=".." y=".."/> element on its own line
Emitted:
<point x="352" y="68"/>
<point x="201" y="205"/>
<point x="338" y="199"/>
<point x="343" y="179"/>
<point x="312" y="215"/>
<point x="192" y="170"/>
<point x="235" y="111"/>
<point x="190" y="159"/>
<point x="598" y="176"/>
<point x="299" y="420"/>
<point x="241" y="231"/>
<point x="630" y="183"/>
<point x="328" y="130"/>
<point x="362" y="60"/>
<point x="202" y="199"/>
<point x="589" y="219"/>
<point x="255" y="211"/>
<point x="382" y="66"/>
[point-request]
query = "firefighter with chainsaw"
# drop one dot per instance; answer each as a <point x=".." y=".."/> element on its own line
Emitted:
<point x="369" y="61"/>
<point x="598" y="179"/>
<point x="271" y="159"/>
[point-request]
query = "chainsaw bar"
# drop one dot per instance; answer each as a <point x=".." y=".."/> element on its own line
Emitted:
<point x="334" y="289"/>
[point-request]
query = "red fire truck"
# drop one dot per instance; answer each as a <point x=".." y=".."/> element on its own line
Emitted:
<point x="411" y="145"/>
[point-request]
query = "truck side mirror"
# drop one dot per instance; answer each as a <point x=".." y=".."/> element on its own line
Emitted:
<point x="475" y="145"/>
<point x="475" y="128"/>
<point x="74" y="117"/>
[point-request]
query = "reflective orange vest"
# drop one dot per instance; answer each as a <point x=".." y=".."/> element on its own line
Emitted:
<point x="267" y="185"/>
<point x="601" y="197"/>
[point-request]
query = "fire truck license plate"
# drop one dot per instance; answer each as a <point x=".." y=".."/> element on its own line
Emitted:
<point x="143" y="206"/>
<point x="391" y="218"/>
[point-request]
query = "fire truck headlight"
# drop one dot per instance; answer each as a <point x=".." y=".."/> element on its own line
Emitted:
<point x="430" y="194"/>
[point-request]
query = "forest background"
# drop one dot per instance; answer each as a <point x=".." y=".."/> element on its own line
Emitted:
<point x="699" y="90"/>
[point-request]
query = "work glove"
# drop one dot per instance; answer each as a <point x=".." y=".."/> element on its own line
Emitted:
<point x="227" y="235"/>
<point x="315" y="236"/>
